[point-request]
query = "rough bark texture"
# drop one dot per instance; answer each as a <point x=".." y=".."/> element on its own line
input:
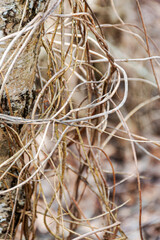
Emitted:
<point x="16" y="99"/>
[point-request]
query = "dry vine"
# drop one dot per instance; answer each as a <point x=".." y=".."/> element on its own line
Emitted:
<point x="62" y="141"/>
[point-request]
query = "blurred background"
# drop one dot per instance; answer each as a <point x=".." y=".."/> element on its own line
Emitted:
<point x="132" y="31"/>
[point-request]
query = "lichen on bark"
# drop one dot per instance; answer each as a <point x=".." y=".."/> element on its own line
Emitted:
<point x="16" y="98"/>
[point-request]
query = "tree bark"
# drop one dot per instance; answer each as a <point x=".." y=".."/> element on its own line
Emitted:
<point x="16" y="99"/>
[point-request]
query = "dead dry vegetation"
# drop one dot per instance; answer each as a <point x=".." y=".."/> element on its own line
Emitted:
<point x="90" y="145"/>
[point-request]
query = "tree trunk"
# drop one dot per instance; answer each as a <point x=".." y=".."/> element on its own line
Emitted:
<point x="16" y="99"/>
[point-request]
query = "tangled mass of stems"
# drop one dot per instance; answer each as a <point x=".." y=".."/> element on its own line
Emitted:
<point x="62" y="141"/>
